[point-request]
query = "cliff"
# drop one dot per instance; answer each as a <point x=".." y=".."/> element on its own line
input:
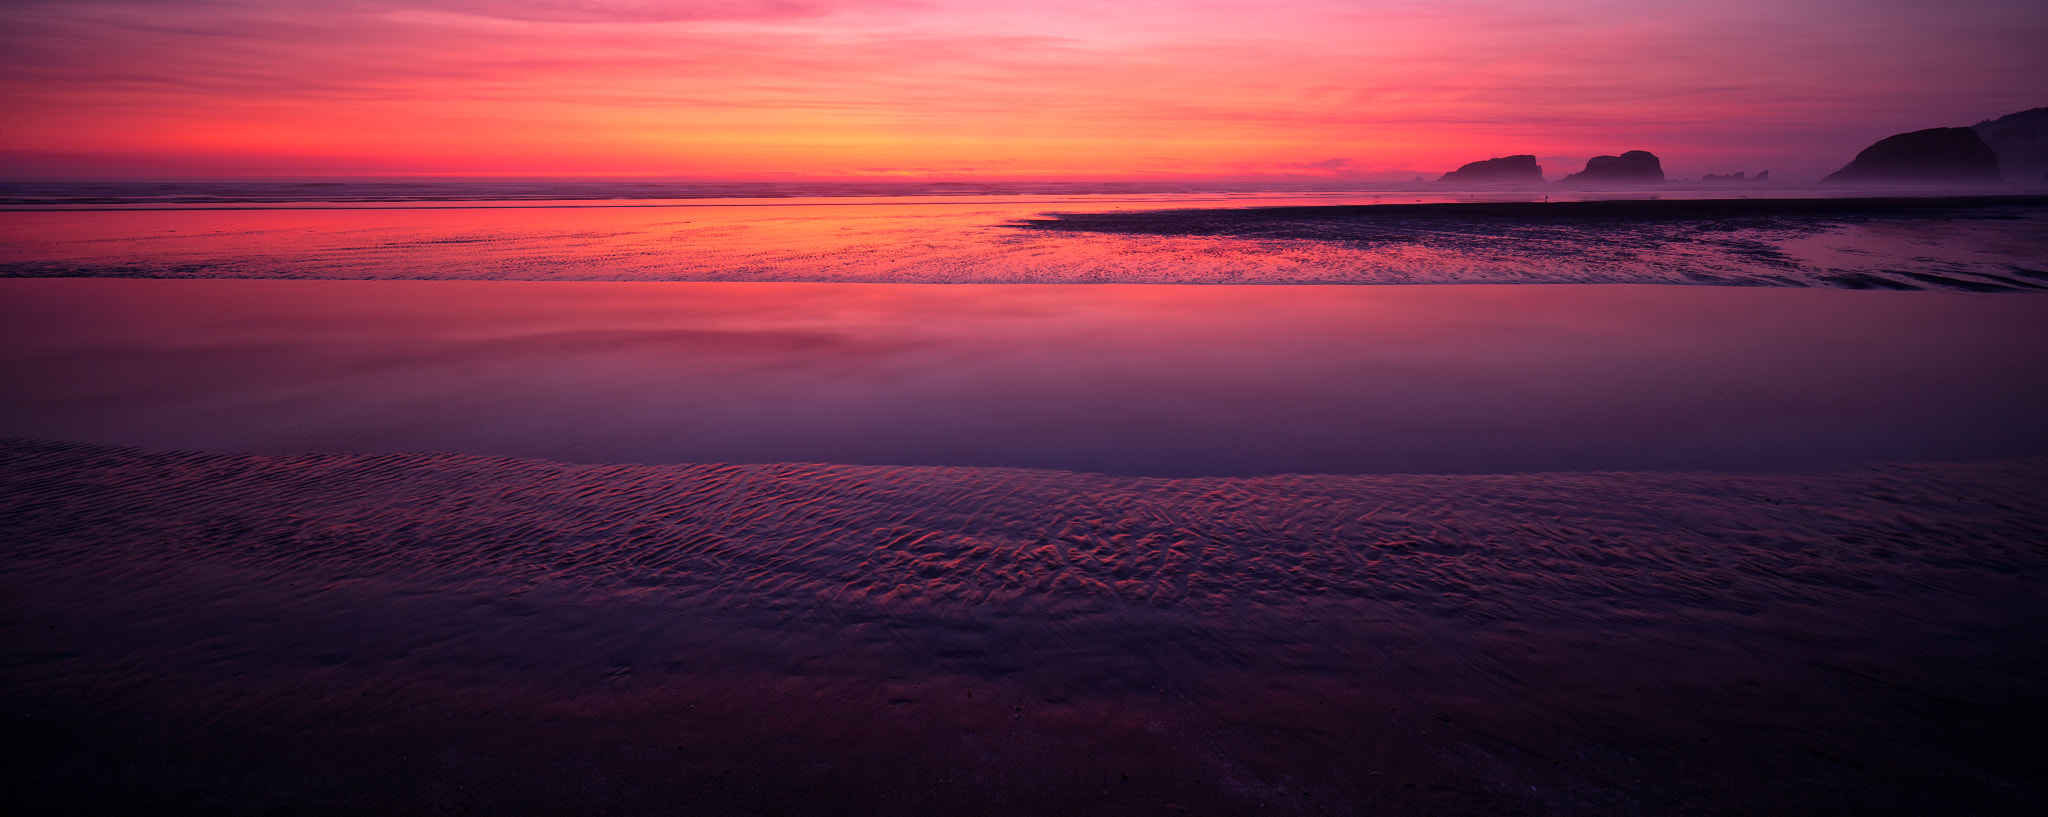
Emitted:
<point x="1932" y="156"/>
<point x="1521" y="169"/>
<point x="1633" y="167"/>
<point x="2021" y="142"/>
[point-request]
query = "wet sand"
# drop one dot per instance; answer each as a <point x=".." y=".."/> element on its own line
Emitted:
<point x="389" y="589"/>
<point x="1127" y="379"/>
<point x="431" y="633"/>
<point x="1851" y="243"/>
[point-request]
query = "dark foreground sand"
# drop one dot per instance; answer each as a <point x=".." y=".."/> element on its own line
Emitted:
<point x="447" y="634"/>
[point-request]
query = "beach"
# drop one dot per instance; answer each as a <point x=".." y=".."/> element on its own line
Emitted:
<point x="1139" y="380"/>
<point x="1010" y="507"/>
<point x="415" y="633"/>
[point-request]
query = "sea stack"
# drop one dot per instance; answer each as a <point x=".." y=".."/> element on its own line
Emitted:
<point x="2020" y="140"/>
<point x="1931" y="156"/>
<point x="1521" y="169"/>
<point x="1633" y="167"/>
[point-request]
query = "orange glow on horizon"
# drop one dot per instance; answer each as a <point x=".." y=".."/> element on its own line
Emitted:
<point x="1378" y="90"/>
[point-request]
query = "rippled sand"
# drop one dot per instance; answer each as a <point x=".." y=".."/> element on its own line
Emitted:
<point x="436" y="632"/>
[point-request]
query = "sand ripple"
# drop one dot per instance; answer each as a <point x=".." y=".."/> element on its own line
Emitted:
<point x="941" y="542"/>
<point x="812" y="638"/>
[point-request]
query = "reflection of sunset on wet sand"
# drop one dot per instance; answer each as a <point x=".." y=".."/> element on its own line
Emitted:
<point x="1128" y="379"/>
<point x="906" y="407"/>
<point x="917" y="621"/>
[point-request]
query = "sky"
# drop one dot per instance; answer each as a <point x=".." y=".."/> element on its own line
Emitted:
<point x="1050" y="89"/>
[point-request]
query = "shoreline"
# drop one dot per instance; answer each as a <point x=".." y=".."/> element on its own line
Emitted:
<point x="1988" y="244"/>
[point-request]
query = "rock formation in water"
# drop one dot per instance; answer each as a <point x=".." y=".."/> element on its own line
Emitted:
<point x="1633" y="167"/>
<point x="1931" y="156"/>
<point x="2021" y="142"/>
<point x="1735" y="177"/>
<point x="1521" y="169"/>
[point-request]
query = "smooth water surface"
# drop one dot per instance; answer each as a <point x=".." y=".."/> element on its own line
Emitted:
<point x="1140" y="380"/>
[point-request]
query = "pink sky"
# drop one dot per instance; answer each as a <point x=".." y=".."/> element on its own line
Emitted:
<point x="1053" y="88"/>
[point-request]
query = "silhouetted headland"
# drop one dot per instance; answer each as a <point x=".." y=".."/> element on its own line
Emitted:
<point x="1931" y="156"/>
<point x="2021" y="142"/>
<point x="1521" y="169"/>
<point x="1633" y="167"/>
